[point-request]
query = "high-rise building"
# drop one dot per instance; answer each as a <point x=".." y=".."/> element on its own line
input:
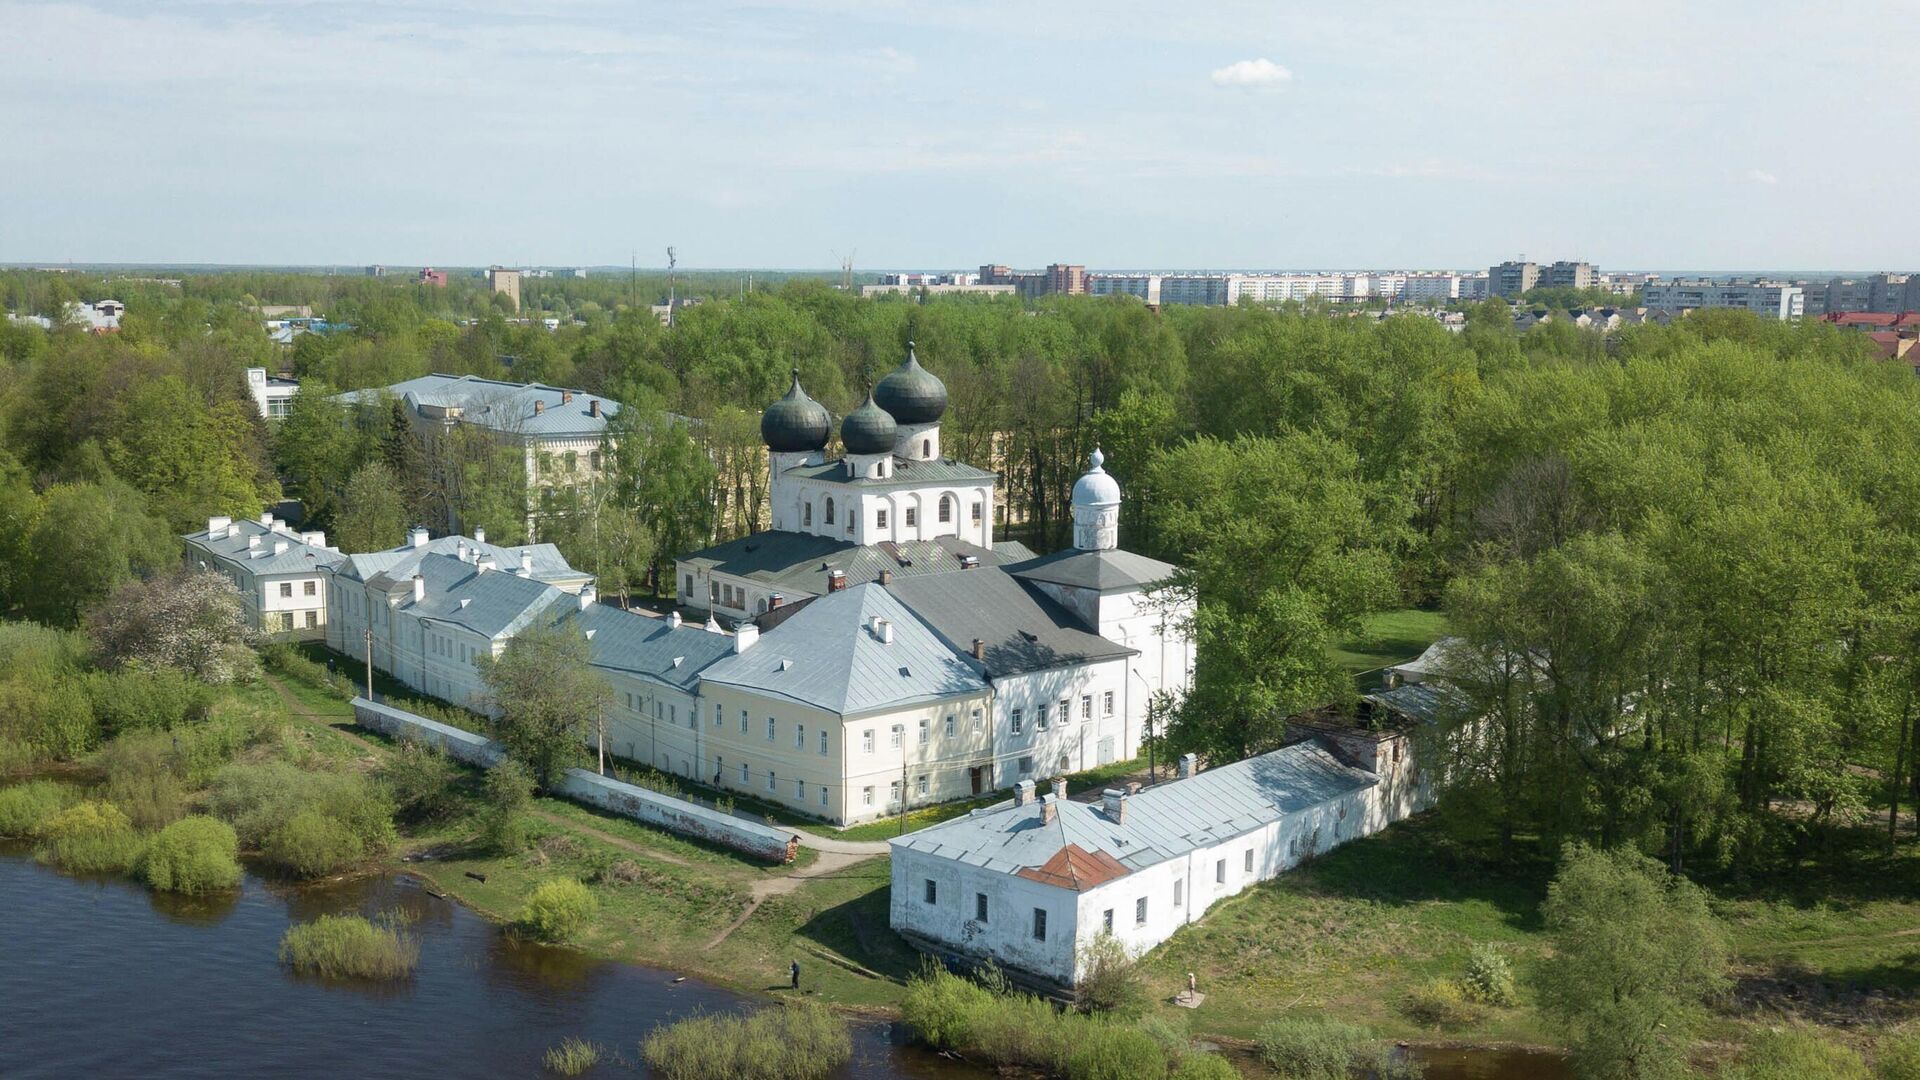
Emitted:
<point x="376" y="271"/>
<point x="506" y="282"/>
<point x="1510" y="279"/>
<point x="1770" y="298"/>
<point x="1066" y="279"/>
<point x="1570" y="275"/>
<point x="436" y="278"/>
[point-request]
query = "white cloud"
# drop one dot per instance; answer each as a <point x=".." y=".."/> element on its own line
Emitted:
<point x="1261" y="74"/>
<point x="1762" y="176"/>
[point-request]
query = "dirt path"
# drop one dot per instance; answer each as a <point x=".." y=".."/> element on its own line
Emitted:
<point x="608" y="838"/>
<point x="299" y="709"/>
<point x="829" y="862"/>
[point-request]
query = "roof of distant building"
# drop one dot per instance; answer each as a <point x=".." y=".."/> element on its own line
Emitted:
<point x="830" y="655"/>
<point x="798" y="564"/>
<point x="231" y="545"/>
<point x="526" y="409"/>
<point x="906" y="473"/>
<point x="543" y="562"/>
<point x="1021" y="630"/>
<point x="1166" y="821"/>
<point x="1104" y="571"/>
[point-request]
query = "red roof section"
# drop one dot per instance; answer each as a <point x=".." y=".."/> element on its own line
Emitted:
<point x="1074" y="867"/>
<point x="1879" y="320"/>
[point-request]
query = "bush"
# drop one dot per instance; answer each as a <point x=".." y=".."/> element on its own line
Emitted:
<point x="89" y="838"/>
<point x="1110" y="1051"/>
<point x="509" y="791"/>
<point x="1899" y="1057"/>
<point x="1797" y="1054"/>
<point x="311" y="844"/>
<point x="796" y="1042"/>
<point x="52" y="719"/>
<point x="146" y="699"/>
<point x="350" y="947"/>
<point x="193" y="855"/>
<point x="282" y="658"/>
<point x="141" y="779"/>
<point x="1205" y="1067"/>
<point x="1169" y="1032"/>
<point x="941" y="1007"/>
<point x="260" y="801"/>
<point x="1489" y="977"/>
<point x="1111" y="981"/>
<point x="419" y="779"/>
<point x="572" y="1057"/>
<point x="1441" y="1003"/>
<point x="557" y="910"/>
<point x="1302" y="1049"/>
<point x="23" y="807"/>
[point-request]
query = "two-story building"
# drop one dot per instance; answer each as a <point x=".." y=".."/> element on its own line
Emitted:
<point x="282" y="573"/>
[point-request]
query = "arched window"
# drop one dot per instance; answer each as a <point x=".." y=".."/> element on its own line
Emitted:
<point x="806" y="515"/>
<point x="829" y="509"/>
<point x="926" y="448"/>
<point x="946" y="508"/>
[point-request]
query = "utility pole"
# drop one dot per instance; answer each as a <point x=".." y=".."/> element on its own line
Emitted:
<point x="369" y="633"/>
<point x="603" y="742"/>
<point x="672" y="282"/>
<point x="903" y="784"/>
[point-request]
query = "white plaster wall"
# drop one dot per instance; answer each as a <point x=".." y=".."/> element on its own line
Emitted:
<point x="1007" y="935"/>
<point x="1079" y="740"/>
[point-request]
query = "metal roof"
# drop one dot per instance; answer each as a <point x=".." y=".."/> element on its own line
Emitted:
<point x="907" y="472"/>
<point x="797" y="564"/>
<point x="829" y="655"/>
<point x="489" y="603"/>
<point x="1101" y="571"/>
<point x="1022" y="630"/>
<point x="231" y="547"/>
<point x="654" y="648"/>
<point x="500" y="406"/>
<point x="1424" y="702"/>
<point x="543" y="562"/>
<point x="1163" y="822"/>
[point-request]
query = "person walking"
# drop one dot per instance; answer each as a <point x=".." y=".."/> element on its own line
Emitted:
<point x="796" y="974"/>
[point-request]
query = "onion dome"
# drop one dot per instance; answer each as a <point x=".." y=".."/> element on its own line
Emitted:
<point x="796" y="422"/>
<point x="1095" y="487"/>
<point x="911" y="393"/>
<point x="868" y="429"/>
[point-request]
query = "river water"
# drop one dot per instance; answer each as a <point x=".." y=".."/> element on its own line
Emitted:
<point x="106" y="979"/>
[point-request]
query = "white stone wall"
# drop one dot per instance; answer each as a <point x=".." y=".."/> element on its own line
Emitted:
<point x="1079" y="740"/>
<point x="1007" y="933"/>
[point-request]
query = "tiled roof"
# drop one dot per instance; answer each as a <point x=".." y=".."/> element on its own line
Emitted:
<point x="828" y="655"/>
<point x="1101" y="571"/>
<point x="797" y="564"/>
<point x="501" y="406"/>
<point x="231" y="547"/>
<point x="1163" y="822"/>
<point x="1073" y="867"/>
<point x="1021" y="629"/>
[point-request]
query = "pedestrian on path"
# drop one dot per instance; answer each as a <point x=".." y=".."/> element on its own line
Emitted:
<point x="796" y="974"/>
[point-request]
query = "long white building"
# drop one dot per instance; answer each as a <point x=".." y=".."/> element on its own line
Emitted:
<point x="1772" y="299"/>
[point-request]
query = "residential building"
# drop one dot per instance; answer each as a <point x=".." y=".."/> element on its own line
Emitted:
<point x="1511" y="279"/>
<point x="435" y="278"/>
<point x="97" y="317"/>
<point x="1769" y="298"/>
<point x="1144" y="286"/>
<point x="376" y="270"/>
<point x="938" y="289"/>
<point x="505" y="283"/>
<point x="1066" y="280"/>
<point x="282" y="574"/>
<point x="1569" y="275"/>
<point x="272" y="394"/>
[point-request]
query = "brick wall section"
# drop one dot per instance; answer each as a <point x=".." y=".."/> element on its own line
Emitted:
<point x="650" y="807"/>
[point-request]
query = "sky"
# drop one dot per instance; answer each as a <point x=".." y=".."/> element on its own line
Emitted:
<point x="924" y="135"/>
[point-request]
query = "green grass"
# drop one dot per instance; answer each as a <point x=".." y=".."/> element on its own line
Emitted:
<point x="350" y="947"/>
<point x="1388" y="638"/>
<point x="572" y="1056"/>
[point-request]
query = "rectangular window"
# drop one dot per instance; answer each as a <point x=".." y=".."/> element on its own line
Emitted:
<point x="823" y="742"/>
<point x="717" y="719"/>
<point x="310" y="588"/>
<point x="313" y="619"/>
<point x="978" y="716"/>
<point x="823" y="794"/>
<point x="866" y="796"/>
<point x="1086" y="707"/>
<point x="806" y="515"/>
<point x="800" y="790"/>
<point x="1220" y="872"/>
<point x="866" y="741"/>
<point x="1140" y="912"/>
<point x="1040" y="718"/>
<point x="893" y="740"/>
<point x="926" y="731"/>
<point x="1106" y="920"/>
<point x="1178" y="888"/>
<point x="743" y="721"/>
<point x="976" y="513"/>
<point x="949" y="726"/>
<point x="688" y="591"/>
<point x="1106" y="703"/>
<point x="772" y="783"/>
<point x="1015" y="721"/>
<point x="745" y="777"/>
<point x="893" y="793"/>
<point x="882" y="516"/>
<point x="920" y="785"/>
<point x="1026" y="766"/>
<point x="1248" y="862"/>
<point x="932" y="893"/>
<point x="1039" y="924"/>
<point x="673" y="715"/>
<point x="912" y="518"/>
<point x="769" y="729"/>
<point x="799" y="736"/>
<point x="979" y="907"/>
<point x="1066" y="714"/>
<point x="286" y="590"/>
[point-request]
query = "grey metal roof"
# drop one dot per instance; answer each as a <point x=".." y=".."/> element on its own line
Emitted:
<point x="1022" y="630"/>
<point x="797" y="564"/>
<point x="232" y="549"/>
<point x="542" y="561"/>
<point x="906" y="473"/>
<point x="1424" y="702"/>
<point x="1163" y="822"/>
<point x="655" y="648"/>
<point x="500" y="406"/>
<point x="489" y="603"/>
<point x="828" y="655"/>
<point x="1101" y="571"/>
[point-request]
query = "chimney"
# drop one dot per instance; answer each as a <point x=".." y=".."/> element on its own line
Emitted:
<point x="593" y="408"/>
<point x="1047" y="810"/>
<point x="279" y="547"/>
<point x="587" y="596"/>
<point x="775" y="601"/>
<point x="317" y="538"/>
<point x="1189" y="764"/>
<point x="836" y="580"/>
<point x="1133" y="787"/>
<point x="968" y="562"/>
<point x="1023" y="793"/>
<point x="539" y="407"/>
<point x="267" y="519"/>
<point x="744" y="637"/>
<point x="1059" y="787"/>
<point x="460" y="551"/>
<point x="481" y="566"/>
<point x="1115" y="803"/>
<point x="566" y="397"/>
<point x="886" y="577"/>
<point x="479" y="536"/>
<point x="980" y="649"/>
<point x="418" y="536"/>
<point x="216" y="525"/>
<point x="253" y="541"/>
<point x="886" y="631"/>
<point x="419" y="588"/>
<point x="673" y="619"/>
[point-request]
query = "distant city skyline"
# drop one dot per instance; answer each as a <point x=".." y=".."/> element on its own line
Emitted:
<point x="774" y="134"/>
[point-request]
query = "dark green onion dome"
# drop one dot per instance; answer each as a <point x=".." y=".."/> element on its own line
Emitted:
<point x="868" y="429"/>
<point x="911" y="393"/>
<point x="795" y="423"/>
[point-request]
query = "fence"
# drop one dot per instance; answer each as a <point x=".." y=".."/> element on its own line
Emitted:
<point x="650" y="807"/>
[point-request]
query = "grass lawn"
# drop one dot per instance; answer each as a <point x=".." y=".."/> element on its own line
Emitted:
<point x="1387" y="638"/>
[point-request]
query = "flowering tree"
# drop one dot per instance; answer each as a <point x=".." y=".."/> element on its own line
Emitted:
<point x="191" y="620"/>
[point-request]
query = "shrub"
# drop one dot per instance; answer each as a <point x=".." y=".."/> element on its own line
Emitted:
<point x="311" y="844"/>
<point x="941" y="1008"/>
<point x="509" y="791"/>
<point x="1110" y="1051"/>
<point x="282" y="658"/>
<point x="146" y="699"/>
<point x="141" y="779"/>
<point x="1205" y="1067"/>
<point x="796" y="1042"/>
<point x="1020" y="1029"/>
<point x="1489" y="977"/>
<point x="52" y="719"/>
<point x="557" y="910"/>
<point x="89" y="838"/>
<point x="1111" y="981"/>
<point x="191" y="620"/>
<point x="419" y="779"/>
<point x="1302" y="1049"/>
<point x="1797" y="1054"/>
<point x="260" y="800"/>
<point x="1899" y="1057"/>
<point x="193" y="855"/>
<point x="23" y="807"/>
<point x="1442" y="1003"/>
<point x="350" y="947"/>
<point x="572" y="1057"/>
<point x="1170" y="1033"/>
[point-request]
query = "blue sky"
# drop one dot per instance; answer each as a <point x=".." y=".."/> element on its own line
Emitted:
<point x="1121" y="135"/>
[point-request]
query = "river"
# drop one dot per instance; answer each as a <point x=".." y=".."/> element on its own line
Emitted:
<point x="103" y="978"/>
